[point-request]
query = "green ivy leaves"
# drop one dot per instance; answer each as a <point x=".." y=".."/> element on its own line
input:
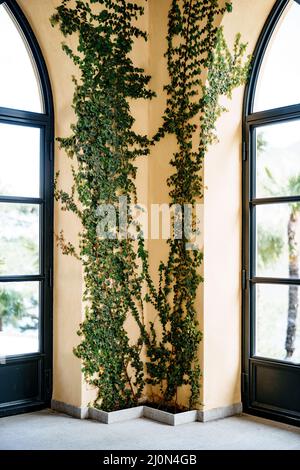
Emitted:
<point x="228" y="6"/>
<point x="105" y="147"/>
<point x="193" y="51"/>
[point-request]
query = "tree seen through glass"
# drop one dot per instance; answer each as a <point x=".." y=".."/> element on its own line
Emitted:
<point x="278" y="150"/>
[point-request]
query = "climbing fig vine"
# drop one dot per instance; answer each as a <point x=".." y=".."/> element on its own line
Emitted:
<point x="201" y="70"/>
<point x="104" y="148"/>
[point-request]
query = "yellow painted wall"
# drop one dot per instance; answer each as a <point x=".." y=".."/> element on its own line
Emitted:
<point x="222" y="232"/>
<point x="219" y="299"/>
<point x="159" y="168"/>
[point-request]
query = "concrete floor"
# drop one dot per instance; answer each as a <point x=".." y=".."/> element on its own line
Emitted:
<point x="49" y="430"/>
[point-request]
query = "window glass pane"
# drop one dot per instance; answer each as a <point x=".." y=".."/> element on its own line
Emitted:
<point x="19" y="160"/>
<point x="277" y="240"/>
<point x="19" y="239"/>
<point x="279" y="78"/>
<point x="278" y="159"/>
<point x="19" y="85"/>
<point x="274" y="305"/>
<point x="19" y="318"/>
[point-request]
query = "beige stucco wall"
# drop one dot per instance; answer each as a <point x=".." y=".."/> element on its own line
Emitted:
<point x="222" y="230"/>
<point x="68" y="282"/>
<point x="219" y="298"/>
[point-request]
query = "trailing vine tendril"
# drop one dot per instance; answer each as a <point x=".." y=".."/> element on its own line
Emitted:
<point x="105" y="147"/>
<point x="201" y="70"/>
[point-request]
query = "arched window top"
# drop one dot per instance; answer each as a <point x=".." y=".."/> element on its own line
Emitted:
<point x="19" y="79"/>
<point x="278" y="82"/>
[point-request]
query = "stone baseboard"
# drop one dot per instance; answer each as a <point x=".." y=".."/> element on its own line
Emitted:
<point x="147" y="412"/>
<point x="71" y="410"/>
<point x="220" y="413"/>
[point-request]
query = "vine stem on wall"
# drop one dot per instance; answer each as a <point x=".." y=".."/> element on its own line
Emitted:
<point x="201" y="70"/>
<point x="105" y="148"/>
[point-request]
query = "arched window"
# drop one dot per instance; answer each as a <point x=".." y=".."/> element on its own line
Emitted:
<point x="271" y="220"/>
<point x="26" y="185"/>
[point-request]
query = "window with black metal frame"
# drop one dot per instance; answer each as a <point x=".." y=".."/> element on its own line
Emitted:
<point x="270" y="277"/>
<point x="26" y="204"/>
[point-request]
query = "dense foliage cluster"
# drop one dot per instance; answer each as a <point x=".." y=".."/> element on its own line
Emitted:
<point x="105" y="148"/>
<point x="201" y="69"/>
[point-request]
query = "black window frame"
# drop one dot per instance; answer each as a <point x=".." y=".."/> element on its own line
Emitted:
<point x="252" y="120"/>
<point x="45" y="122"/>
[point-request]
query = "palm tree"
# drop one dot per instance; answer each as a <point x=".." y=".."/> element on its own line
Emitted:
<point x="291" y="189"/>
<point x="271" y="246"/>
